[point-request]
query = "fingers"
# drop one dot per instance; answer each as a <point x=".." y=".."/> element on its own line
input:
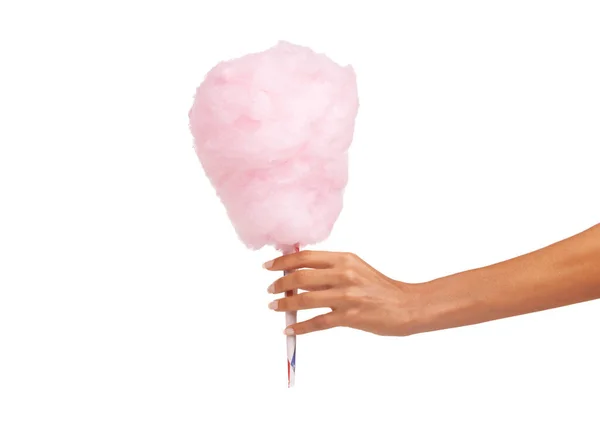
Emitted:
<point x="306" y="301"/>
<point x="321" y="322"/>
<point x="308" y="280"/>
<point x="304" y="259"/>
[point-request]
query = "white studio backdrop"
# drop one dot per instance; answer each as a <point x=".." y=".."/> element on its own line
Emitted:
<point x="124" y="292"/>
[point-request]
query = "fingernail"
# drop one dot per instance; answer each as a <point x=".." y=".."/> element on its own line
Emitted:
<point x="288" y="331"/>
<point x="271" y="289"/>
<point x="273" y="305"/>
<point x="268" y="264"/>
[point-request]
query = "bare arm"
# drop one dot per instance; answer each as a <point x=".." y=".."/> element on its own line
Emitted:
<point x="564" y="273"/>
<point x="361" y="297"/>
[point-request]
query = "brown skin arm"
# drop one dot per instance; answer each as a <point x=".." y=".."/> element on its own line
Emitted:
<point x="360" y="297"/>
<point x="564" y="273"/>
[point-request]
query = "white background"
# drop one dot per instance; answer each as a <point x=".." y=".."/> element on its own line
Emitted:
<point x="124" y="292"/>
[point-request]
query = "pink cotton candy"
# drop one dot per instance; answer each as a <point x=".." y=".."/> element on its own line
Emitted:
<point x="272" y="131"/>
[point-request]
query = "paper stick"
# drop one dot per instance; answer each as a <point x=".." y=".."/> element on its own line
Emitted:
<point x="290" y="319"/>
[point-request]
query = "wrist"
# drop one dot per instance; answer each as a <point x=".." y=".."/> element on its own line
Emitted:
<point x="443" y="303"/>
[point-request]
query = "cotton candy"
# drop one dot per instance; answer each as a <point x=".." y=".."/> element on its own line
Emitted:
<point x="272" y="131"/>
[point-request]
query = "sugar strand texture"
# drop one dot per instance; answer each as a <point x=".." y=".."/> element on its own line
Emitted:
<point x="272" y="131"/>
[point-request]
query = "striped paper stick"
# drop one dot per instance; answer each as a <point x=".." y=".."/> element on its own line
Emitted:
<point x="290" y="319"/>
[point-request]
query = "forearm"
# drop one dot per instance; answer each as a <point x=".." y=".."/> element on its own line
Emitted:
<point x="563" y="273"/>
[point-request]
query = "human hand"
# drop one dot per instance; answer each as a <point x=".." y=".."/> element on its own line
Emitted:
<point x="359" y="296"/>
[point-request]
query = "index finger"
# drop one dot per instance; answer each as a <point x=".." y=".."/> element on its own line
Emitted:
<point x="303" y="259"/>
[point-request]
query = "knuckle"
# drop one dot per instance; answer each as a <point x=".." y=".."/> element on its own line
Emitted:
<point x="352" y="294"/>
<point x="290" y="281"/>
<point x="300" y="300"/>
<point x="351" y="313"/>
<point x="307" y="278"/>
<point x="299" y="277"/>
<point x="349" y="275"/>
<point x="348" y="257"/>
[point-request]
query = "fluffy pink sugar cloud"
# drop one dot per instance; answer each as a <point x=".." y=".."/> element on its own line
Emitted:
<point x="272" y="131"/>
